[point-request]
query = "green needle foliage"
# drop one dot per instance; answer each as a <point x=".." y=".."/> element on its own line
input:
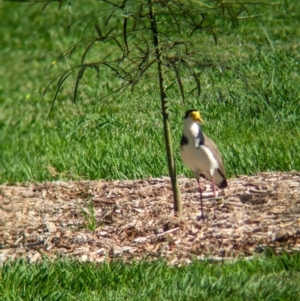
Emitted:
<point x="150" y="39"/>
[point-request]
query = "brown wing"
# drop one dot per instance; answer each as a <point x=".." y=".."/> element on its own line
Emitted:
<point x="213" y="148"/>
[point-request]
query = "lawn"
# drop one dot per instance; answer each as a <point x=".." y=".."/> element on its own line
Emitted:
<point x="266" y="278"/>
<point x="251" y="106"/>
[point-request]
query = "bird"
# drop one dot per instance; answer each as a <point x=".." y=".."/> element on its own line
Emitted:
<point x="201" y="155"/>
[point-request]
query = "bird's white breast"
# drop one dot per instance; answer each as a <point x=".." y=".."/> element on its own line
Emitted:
<point x="197" y="157"/>
<point x="194" y="129"/>
<point x="200" y="160"/>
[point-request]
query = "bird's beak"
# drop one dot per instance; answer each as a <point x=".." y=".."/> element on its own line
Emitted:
<point x="197" y="117"/>
<point x="200" y="120"/>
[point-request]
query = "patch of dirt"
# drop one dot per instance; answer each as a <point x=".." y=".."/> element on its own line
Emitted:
<point x="135" y="219"/>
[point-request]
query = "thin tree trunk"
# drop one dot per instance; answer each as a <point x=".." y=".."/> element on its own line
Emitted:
<point x="164" y="106"/>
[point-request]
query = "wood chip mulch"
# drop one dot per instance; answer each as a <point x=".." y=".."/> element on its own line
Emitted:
<point x="135" y="219"/>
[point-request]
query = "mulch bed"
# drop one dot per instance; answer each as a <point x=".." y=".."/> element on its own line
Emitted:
<point x="135" y="219"/>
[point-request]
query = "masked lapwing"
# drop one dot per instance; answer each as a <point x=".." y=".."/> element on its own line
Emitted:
<point x="201" y="155"/>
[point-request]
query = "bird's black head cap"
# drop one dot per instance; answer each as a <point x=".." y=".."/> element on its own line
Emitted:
<point x="187" y="113"/>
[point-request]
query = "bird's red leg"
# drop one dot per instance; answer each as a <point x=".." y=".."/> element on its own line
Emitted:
<point x="201" y="205"/>
<point x="214" y="191"/>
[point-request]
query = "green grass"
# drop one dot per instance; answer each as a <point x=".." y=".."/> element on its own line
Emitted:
<point x="251" y="108"/>
<point x="264" y="278"/>
<point x="255" y="124"/>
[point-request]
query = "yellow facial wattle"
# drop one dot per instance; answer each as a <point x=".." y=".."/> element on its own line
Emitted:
<point x="196" y="116"/>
